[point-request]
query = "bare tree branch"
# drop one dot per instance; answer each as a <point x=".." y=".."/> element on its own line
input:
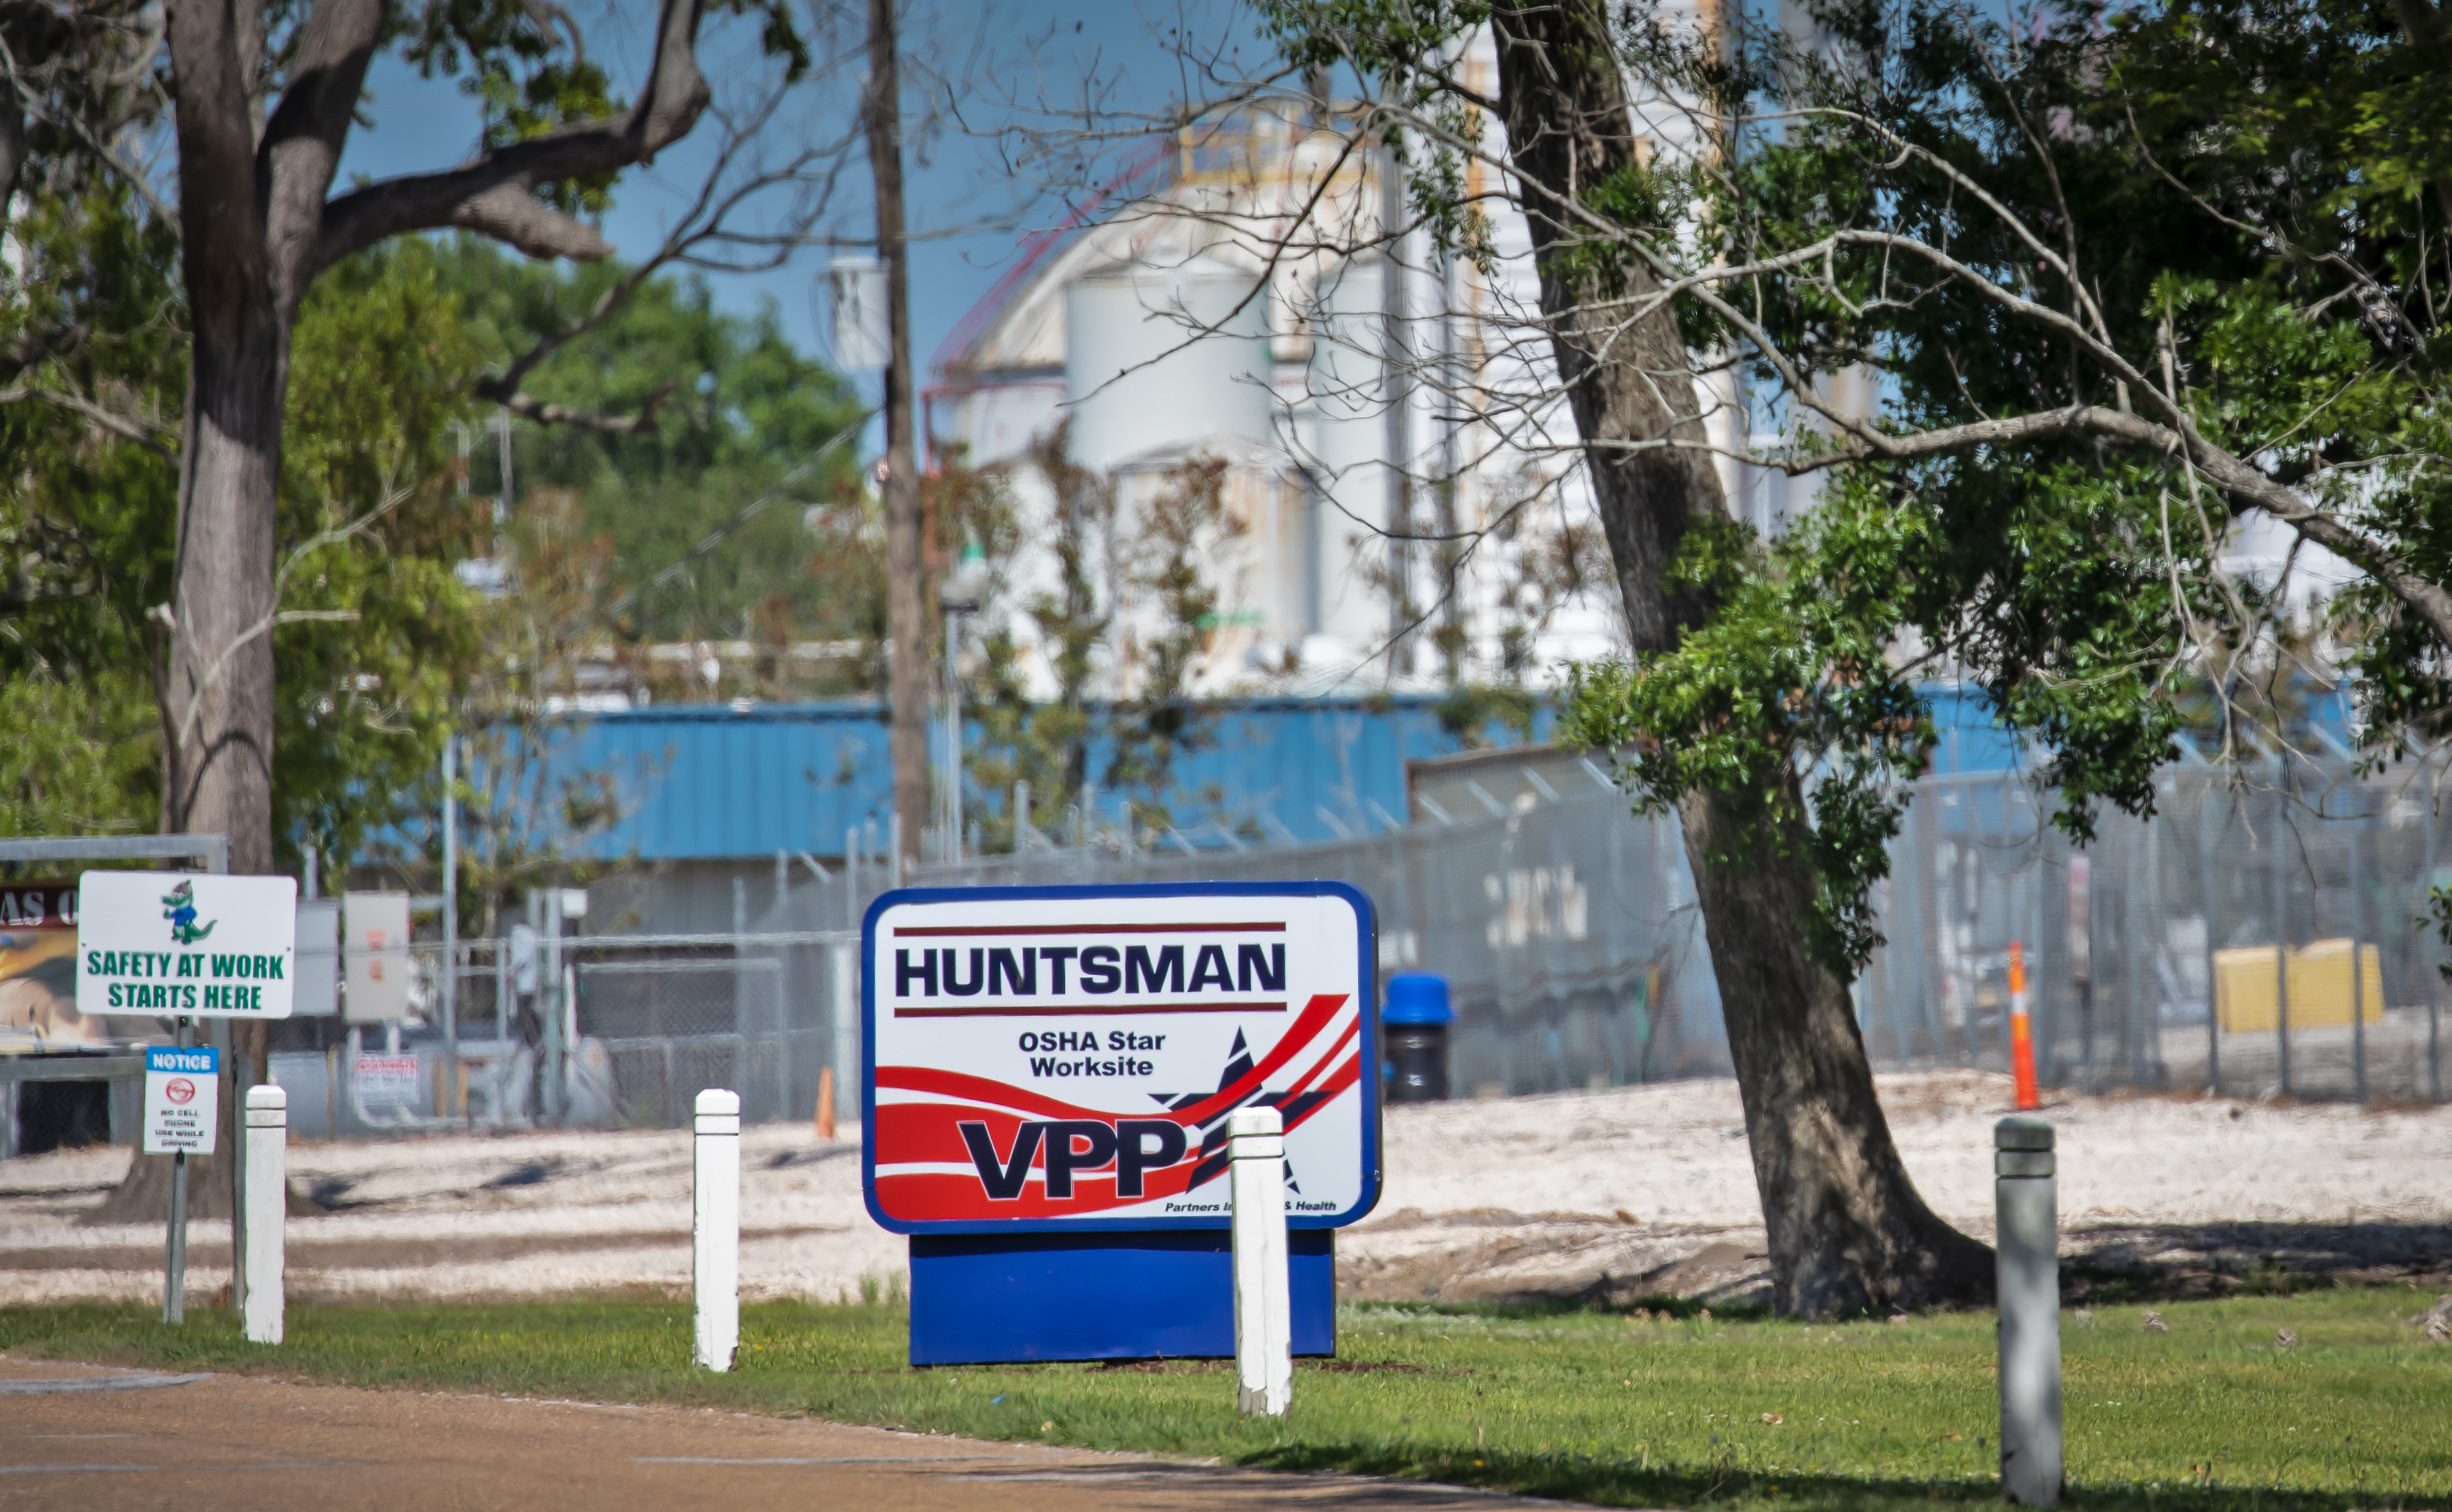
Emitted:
<point x="528" y="407"/>
<point x="490" y="194"/>
<point x="145" y="433"/>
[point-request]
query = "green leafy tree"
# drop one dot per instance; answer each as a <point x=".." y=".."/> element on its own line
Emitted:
<point x="2127" y="282"/>
<point x="79" y="757"/>
<point x="375" y="635"/>
<point x="378" y="640"/>
<point x="258" y="102"/>
<point x="723" y="414"/>
<point x="375" y="632"/>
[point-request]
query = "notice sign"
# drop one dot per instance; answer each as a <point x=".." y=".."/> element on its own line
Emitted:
<point x="1066" y="1057"/>
<point x="170" y="943"/>
<point x="386" y="1081"/>
<point x="183" y="1100"/>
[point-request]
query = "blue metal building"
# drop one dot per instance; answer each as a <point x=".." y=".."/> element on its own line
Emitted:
<point x="711" y="792"/>
<point x="702" y="782"/>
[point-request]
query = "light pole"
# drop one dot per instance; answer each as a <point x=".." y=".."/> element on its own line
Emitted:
<point x="959" y="595"/>
<point x="450" y="983"/>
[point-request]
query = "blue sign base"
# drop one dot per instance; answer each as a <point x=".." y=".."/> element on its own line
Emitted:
<point x="980" y="1299"/>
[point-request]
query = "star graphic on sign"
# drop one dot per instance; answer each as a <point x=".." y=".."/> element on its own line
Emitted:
<point x="1213" y="1138"/>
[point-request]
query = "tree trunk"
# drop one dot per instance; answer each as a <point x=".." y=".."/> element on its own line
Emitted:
<point x="219" y="691"/>
<point x="906" y="608"/>
<point x="1848" y="1230"/>
<point x="142" y="1195"/>
<point x="220" y="749"/>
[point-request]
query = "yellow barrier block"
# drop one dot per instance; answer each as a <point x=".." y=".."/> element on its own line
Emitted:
<point x="2320" y="987"/>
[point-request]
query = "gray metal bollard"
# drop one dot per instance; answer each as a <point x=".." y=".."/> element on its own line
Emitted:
<point x="2029" y="1290"/>
<point x="266" y="1142"/>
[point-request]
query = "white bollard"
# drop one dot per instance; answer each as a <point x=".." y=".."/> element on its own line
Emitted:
<point x="2030" y="1300"/>
<point x="268" y="1211"/>
<point x="1265" y="1360"/>
<point x="714" y="1228"/>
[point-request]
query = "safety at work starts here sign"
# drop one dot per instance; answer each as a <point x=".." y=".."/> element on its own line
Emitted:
<point x="182" y="1099"/>
<point x="1065" y="1059"/>
<point x="197" y="944"/>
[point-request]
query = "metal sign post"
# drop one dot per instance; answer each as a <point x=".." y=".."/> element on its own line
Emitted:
<point x="174" y="1259"/>
<point x="1047" y="1075"/>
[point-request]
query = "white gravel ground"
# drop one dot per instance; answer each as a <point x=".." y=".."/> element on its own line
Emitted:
<point x="1623" y="1192"/>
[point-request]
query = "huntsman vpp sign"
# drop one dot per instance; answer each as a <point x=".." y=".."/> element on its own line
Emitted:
<point x="1065" y="1057"/>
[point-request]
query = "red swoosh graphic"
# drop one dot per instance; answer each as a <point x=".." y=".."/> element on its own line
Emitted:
<point x="1320" y="1064"/>
<point x="1316" y="1015"/>
<point x="981" y="1089"/>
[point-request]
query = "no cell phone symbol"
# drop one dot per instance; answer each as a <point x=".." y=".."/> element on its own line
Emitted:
<point x="180" y="1091"/>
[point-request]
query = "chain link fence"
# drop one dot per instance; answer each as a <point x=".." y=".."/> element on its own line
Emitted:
<point x="2262" y="936"/>
<point x="2210" y="949"/>
<point x="593" y="1032"/>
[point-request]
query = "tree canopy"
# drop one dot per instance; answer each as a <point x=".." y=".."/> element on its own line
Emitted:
<point x="382" y="647"/>
<point x="2128" y="282"/>
<point x="733" y="408"/>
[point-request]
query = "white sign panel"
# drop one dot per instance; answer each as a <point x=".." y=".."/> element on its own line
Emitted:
<point x="1067" y="1057"/>
<point x="318" y="992"/>
<point x="170" y="943"/>
<point x="387" y="1081"/>
<point x="182" y="1099"/>
<point x="375" y="927"/>
<point x="862" y="325"/>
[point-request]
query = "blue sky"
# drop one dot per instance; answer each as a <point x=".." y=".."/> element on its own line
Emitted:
<point x="970" y="211"/>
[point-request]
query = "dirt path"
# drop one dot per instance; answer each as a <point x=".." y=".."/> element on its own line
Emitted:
<point x="80" y="1436"/>
<point x="1618" y="1193"/>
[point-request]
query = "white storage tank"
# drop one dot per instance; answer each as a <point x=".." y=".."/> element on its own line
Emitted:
<point x="1140" y="322"/>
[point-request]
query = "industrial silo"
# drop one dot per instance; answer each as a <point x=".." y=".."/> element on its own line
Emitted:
<point x="1142" y="375"/>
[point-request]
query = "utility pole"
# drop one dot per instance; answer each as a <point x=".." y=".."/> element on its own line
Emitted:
<point x="1453" y="642"/>
<point x="450" y="983"/>
<point x="959" y="595"/>
<point x="1398" y="395"/>
<point x="906" y="610"/>
<point x="501" y="425"/>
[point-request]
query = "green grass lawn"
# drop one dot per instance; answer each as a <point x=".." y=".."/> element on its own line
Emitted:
<point x="1585" y="1405"/>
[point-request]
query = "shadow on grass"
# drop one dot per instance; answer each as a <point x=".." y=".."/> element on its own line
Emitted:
<point x="1630" y="1482"/>
<point x="1539" y="1305"/>
<point x="2104" y="1265"/>
<point x="2181" y="1262"/>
